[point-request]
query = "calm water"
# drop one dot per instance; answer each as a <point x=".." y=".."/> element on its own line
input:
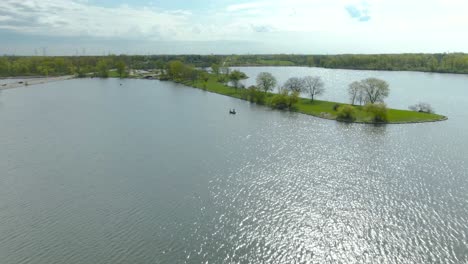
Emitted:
<point x="148" y="172"/>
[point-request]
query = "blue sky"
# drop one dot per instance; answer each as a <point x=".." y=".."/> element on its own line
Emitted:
<point x="69" y="27"/>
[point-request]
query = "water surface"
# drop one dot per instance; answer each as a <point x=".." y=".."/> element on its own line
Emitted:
<point x="153" y="172"/>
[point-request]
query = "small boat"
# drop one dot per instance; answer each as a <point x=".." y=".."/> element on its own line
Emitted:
<point x="232" y="111"/>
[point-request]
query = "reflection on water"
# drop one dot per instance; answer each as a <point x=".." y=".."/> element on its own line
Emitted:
<point x="151" y="172"/>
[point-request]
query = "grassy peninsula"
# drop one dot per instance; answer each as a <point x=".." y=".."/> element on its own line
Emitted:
<point x="323" y="109"/>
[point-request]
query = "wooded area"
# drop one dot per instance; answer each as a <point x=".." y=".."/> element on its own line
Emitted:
<point x="100" y="65"/>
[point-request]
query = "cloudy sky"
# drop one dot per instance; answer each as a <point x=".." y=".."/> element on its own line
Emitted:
<point x="69" y="27"/>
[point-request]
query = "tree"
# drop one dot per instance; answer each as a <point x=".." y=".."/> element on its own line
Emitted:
<point x="294" y="84"/>
<point x="235" y="77"/>
<point x="102" y="68"/>
<point x="215" y="69"/>
<point x="314" y="86"/>
<point x="192" y="74"/>
<point x="161" y="66"/>
<point x="310" y="61"/>
<point x="266" y="81"/>
<point x="375" y="90"/>
<point x="176" y="69"/>
<point x="204" y="77"/>
<point x="224" y="75"/>
<point x="121" y="69"/>
<point x="353" y="90"/>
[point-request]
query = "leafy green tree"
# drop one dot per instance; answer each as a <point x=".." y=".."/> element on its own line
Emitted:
<point x="266" y="81"/>
<point x="235" y="77"/>
<point x="121" y="69"/>
<point x="215" y="69"/>
<point x="176" y="69"/>
<point x="44" y="70"/>
<point x="4" y="66"/>
<point x="102" y="68"/>
<point x="204" y="77"/>
<point x="161" y="66"/>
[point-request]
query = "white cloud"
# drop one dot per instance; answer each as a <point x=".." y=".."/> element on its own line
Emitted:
<point x="246" y="6"/>
<point x="72" y="18"/>
<point x="394" y="25"/>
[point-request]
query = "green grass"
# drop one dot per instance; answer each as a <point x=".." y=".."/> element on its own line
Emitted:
<point x="324" y="109"/>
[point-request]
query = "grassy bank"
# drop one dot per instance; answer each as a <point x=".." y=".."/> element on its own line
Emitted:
<point x="323" y="109"/>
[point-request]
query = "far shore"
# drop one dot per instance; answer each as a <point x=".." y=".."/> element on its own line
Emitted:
<point x="30" y="80"/>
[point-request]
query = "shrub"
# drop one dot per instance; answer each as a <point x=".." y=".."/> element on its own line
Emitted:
<point x="377" y="111"/>
<point x="335" y="107"/>
<point x="293" y="99"/>
<point x="255" y="95"/>
<point x="285" y="100"/>
<point x="346" y="113"/>
<point x="281" y="100"/>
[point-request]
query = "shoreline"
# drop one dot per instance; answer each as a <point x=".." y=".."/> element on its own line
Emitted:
<point x="304" y="107"/>
<point x="30" y="80"/>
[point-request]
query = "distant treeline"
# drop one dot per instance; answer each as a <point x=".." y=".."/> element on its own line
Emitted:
<point x="101" y="65"/>
<point x="444" y="63"/>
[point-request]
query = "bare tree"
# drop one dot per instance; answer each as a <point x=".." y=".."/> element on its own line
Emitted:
<point x="294" y="84"/>
<point x="375" y="90"/>
<point x="314" y="86"/>
<point x="266" y="81"/>
<point x="354" y="89"/>
<point x="369" y="90"/>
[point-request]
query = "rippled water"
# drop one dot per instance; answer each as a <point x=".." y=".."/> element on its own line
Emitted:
<point x="148" y="172"/>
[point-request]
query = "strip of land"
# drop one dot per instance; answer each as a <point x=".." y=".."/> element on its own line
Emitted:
<point x="322" y="109"/>
<point x="28" y="81"/>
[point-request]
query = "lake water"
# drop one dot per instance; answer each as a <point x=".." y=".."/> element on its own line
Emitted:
<point x="92" y="171"/>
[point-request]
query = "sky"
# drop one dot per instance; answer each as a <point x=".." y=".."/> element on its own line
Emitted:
<point x="98" y="27"/>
